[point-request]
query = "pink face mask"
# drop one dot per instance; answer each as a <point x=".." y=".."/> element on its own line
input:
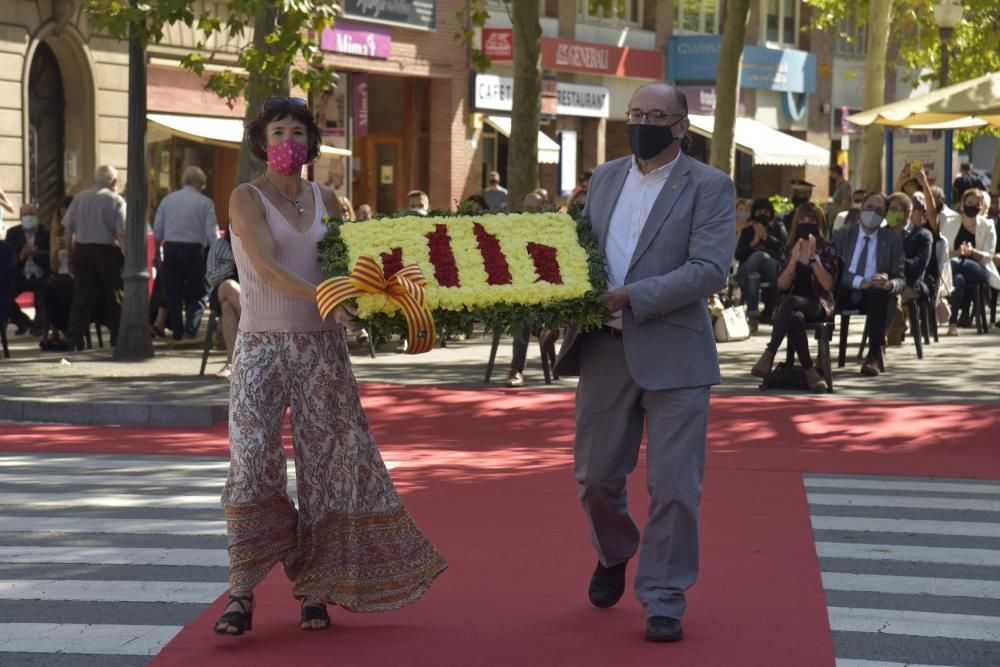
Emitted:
<point x="287" y="157"/>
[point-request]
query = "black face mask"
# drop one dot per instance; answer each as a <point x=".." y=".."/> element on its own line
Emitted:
<point x="803" y="231"/>
<point x="762" y="218"/>
<point x="648" y="141"/>
<point x="970" y="211"/>
<point x="799" y="200"/>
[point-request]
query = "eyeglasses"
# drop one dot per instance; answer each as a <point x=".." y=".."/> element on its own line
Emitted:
<point x="655" y="117"/>
<point x="278" y="101"/>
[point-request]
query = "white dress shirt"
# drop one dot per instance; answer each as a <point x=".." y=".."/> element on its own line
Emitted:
<point x="869" y="267"/>
<point x="186" y="216"/>
<point x="628" y="219"/>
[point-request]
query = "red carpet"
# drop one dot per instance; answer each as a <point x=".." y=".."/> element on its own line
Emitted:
<point x="487" y="475"/>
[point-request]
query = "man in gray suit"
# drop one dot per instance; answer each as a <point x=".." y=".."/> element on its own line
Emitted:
<point x="667" y="226"/>
<point x="873" y="264"/>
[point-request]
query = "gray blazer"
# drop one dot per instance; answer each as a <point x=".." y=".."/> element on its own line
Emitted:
<point x="682" y="257"/>
<point x="889" y="258"/>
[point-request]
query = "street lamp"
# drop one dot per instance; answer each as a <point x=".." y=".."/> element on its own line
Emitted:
<point x="947" y="14"/>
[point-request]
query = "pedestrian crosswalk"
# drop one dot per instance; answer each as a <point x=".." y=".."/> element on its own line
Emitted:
<point x="910" y="569"/>
<point x="103" y="558"/>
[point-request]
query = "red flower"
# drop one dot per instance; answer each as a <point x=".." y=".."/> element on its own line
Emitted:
<point x="497" y="270"/>
<point x="442" y="257"/>
<point x="546" y="264"/>
<point x="392" y="263"/>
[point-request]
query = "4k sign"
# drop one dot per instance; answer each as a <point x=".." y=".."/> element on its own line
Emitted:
<point x="498" y="44"/>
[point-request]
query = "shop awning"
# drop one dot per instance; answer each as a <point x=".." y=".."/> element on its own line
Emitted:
<point x="227" y="132"/>
<point x="969" y="104"/>
<point x="548" y="150"/>
<point x="765" y="145"/>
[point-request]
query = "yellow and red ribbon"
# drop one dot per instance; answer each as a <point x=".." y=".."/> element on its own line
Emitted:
<point x="405" y="287"/>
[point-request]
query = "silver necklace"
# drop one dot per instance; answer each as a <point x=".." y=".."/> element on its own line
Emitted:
<point x="294" y="202"/>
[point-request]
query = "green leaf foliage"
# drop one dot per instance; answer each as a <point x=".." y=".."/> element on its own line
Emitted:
<point x="291" y="49"/>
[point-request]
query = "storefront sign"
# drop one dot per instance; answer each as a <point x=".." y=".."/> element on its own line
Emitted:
<point x="498" y="44"/>
<point x="356" y="39"/>
<point x="496" y="93"/>
<point x="359" y="108"/>
<point x="696" y="58"/>
<point x="408" y="13"/>
<point x="701" y="99"/>
<point x="565" y="55"/>
<point x="928" y="147"/>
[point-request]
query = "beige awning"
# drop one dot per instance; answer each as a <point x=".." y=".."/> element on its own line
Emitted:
<point x="765" y="145"/>
<point x="227" y="132"/>
<point x="970" y="104"/>
<point x="548" y="150"/>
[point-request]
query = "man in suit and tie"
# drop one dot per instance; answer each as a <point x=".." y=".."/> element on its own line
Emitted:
<point x="872" y="272"/>
<point x="667" y="226"/>
<point x="31" y="243"/>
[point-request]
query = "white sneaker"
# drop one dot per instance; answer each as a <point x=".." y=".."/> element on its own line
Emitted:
<point x="225" y="372"/>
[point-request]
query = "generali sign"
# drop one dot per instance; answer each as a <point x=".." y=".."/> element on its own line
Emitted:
<point x="566" y="55"/>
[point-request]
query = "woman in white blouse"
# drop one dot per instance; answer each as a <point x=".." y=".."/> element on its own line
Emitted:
<point x="972" y="240"/>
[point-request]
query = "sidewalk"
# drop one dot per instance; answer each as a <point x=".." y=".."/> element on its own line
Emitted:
<point x="91" y="388"/>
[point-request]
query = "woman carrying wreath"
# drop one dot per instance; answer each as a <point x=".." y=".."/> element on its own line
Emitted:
<point x="351" y="541"/>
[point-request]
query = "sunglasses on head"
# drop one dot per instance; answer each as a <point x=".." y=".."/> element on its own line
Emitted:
<point x="278" y="101"/>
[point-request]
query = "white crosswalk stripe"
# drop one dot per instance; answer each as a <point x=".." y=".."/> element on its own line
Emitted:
<point x="910" y="567"/>
<point x="103" y="555"/>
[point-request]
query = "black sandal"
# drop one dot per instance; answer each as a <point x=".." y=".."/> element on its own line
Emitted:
<point x="312" y="612"/>
<point x="241" y="620"/>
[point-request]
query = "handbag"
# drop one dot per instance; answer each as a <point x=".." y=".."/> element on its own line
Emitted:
<point x="732" y="325"/>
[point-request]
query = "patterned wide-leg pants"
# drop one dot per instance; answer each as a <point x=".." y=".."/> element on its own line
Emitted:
<point x="351" y="542"/>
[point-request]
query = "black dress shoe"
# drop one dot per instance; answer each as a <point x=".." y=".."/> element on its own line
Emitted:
<point x="664" y="629"/>
<point x="607" y="585"/>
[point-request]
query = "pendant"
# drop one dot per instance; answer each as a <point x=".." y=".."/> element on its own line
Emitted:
<point x="299" y="207"/>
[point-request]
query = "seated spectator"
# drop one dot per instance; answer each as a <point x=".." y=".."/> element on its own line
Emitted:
<point x="758" y="250"/>
<point x="972" y="243"/>
<point x="946" y="215"/>
<point x="917" y="248"/>
<point x="475" y="204"/>
<point x="872" y="258"/>
<point x="364" y="213"/>
<point x="807" y="269"/>
<point x="576" y="202"/>
<point x="743" y="206"/>
<point x="31" y="244"/>
<point x="59" y="289"/>
<point x="857" y="199"/>
<point x="495" y="194"/>
<point x="346" y="208"/>
<point x="417" y="202"/>
<point x="224" y="296"/>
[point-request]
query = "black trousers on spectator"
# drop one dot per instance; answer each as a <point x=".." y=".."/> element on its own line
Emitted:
<point x="790" y="320"/>
<point x="967" y="275"/>
<point x="874" y="303"/>
<point x="36" y="286"/>
<point x="184" y="273"/>
<point x="97" y="286"/>
<point x="59" y="300"/>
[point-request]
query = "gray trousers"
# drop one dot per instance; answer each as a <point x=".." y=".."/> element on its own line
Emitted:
<point x="611" y="410"/>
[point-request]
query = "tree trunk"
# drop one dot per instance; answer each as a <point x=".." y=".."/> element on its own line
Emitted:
<point x="134" y="341"/>
<point x="522" y="158"/>
<point x="873" y="137"/>
<point x="995" y="178"/>
<point x="722" y="154"/>
<point x="258" y="92"/>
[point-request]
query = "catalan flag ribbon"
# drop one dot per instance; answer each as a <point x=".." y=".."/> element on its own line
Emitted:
<point x="405" y="287"/>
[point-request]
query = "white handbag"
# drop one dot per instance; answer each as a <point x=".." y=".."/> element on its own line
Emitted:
<point x="732" y="325"/>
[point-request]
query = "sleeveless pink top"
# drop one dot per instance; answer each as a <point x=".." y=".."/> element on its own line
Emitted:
<point x="265" y="309"/>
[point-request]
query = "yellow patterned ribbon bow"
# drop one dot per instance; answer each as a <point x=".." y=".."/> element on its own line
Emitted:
<point x="406" y="288"/>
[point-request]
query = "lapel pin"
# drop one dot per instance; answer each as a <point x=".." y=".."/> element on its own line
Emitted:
<point x="674" y="187"/>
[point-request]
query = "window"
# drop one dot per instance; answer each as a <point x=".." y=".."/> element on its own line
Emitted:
<point x="622" y="12"/>
<point x="852" y="39"/>
<point x="698" y="16"/>
<point x="780" y="22"/>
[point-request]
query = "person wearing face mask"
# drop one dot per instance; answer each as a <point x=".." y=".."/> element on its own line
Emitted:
<point x="666" y="224"/>
<point x="872" y="259"/>
<point x="857" y="200"/>
<point x="350" y="542"/>
<point x="31" y="243"/>
<point x="807" y="268"/>
<point x="742" y="215"/>
<point x="971" y="242"/>
<point x="802" y="192"/>
<point x="918" y="242"/>
<point x="758" y="250"/>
